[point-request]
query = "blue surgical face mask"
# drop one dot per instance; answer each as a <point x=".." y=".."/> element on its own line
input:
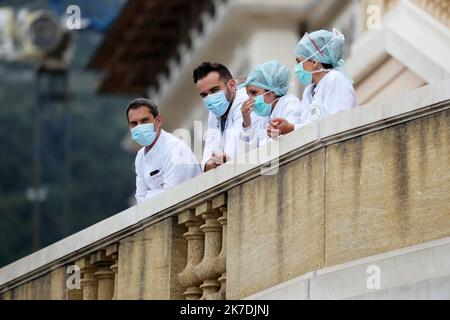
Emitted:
<point x="260" y="107"/>
<point x="303" y="76"/>
<point x="144" y="134"/>
<point x="217" y="103"/>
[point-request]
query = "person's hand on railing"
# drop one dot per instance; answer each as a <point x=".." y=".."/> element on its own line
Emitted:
<point x="279" y="126"/>
<point x="217" y="159"/>
<point x="220" y="157"/>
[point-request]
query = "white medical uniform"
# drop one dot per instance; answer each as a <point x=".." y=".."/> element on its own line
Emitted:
<point x="228" y="140"/>
<point x="168" y="163"/>
<point x="288" y="107"/>
<point x="333" y="94"/>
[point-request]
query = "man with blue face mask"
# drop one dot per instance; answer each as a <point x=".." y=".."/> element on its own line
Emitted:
<point x="223" y="100"/>
<point x="164" y="161"/>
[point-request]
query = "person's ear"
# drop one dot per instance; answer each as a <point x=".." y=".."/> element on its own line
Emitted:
<point x="316" y="65"/>
<point x="273" y="96"/>
<point x="232" y="84"/>
<point x="270" y="97"/>
<point x="230" y="90"/>
<point x="158" y="121"/>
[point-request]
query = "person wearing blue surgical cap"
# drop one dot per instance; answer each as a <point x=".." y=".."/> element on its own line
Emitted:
<point x="320" y="67"/>
<point x="267" y="86"/>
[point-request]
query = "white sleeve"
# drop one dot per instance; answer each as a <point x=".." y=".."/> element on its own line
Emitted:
<point x="339" y="95"/>
<point x="251" y="137"/>
<point x="149" y="194"/>
<point x="240" y="140"/>
<point x="180" y="165"/>
<point x="212" y="140"/>
<point x="293" y="111"/>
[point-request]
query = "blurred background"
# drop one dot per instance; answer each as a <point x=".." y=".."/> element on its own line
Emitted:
<point x="69" y="68"/>
<point x="62" y="167"/>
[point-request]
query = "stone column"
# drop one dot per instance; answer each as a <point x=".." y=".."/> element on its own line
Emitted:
<point x="103" y="274"/>
<point x="194" y="238"/>
<point x="112" y="251"/>
<point x="206" y="270"/>
<point x="89" y="284"/>
<point x="219" y="203"/>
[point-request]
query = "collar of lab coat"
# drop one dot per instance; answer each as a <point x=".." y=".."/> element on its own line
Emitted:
<point x="157" y="143"/>
<point x="241" y="96"/>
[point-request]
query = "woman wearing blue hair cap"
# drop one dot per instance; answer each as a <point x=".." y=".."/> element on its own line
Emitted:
<point x="267" y="86"/>
<point x="320" y="67"/>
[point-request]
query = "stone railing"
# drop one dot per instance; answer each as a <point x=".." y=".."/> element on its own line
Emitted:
<point x="356" y="184"/>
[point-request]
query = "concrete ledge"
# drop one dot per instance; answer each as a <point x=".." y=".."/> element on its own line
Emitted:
<point x="416" y="272"/>
<point x="343" y="126"/>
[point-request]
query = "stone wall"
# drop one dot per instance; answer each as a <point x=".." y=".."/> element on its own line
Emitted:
<point x="371" y="194"/>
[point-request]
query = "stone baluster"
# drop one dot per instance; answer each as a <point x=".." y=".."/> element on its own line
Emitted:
<point x="103" y="274"/>
<point x="194" y="238"/>
<point x="206" y="270"/>
<point x="219" y="203"/>
<point x="112" y="251"/>
<point x="89" y="283"/>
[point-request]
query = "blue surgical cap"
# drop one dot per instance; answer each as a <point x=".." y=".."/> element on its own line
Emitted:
<point x="324" y="46"/>
<point x="272" y="76"/>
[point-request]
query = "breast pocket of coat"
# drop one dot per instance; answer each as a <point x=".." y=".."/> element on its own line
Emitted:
<point x="155" y="179"/>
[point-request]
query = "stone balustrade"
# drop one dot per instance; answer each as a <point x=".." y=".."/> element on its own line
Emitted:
<point x="353" y="185"/>
<point x="98" y="275"/>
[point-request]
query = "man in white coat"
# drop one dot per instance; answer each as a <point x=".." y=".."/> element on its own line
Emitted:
<point x="223" y="100"/>
<point x="164" y="161"/>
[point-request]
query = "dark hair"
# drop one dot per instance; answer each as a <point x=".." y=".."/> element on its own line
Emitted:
<point x="327" y="66"/>
<point x="142" y="102"/>
<point x="207" y="67"/>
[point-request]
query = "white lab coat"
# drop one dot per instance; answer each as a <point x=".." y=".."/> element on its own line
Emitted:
<point x="333" y="94"/>
<point x="288" y="107"/>
<point x="228" y="141"/>
<point x="168" y="163"/>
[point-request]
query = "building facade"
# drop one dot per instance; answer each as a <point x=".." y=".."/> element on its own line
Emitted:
<point x="358" y="207"/>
